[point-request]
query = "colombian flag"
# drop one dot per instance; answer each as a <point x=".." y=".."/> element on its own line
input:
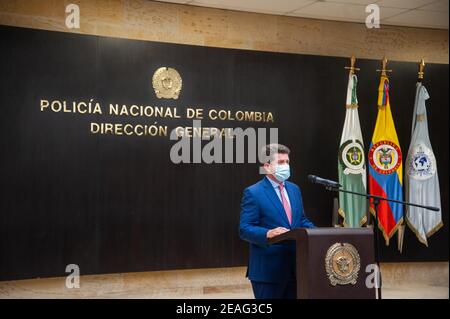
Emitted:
<point x="385" y="169"/>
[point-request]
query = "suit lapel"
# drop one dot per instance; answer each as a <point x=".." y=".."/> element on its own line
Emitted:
<point x="270" y="192"/>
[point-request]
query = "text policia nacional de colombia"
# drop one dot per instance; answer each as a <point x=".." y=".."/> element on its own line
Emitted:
<point x="134" y="112"/>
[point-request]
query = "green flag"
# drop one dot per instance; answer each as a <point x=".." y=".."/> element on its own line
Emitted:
<point x="351" y="163"/>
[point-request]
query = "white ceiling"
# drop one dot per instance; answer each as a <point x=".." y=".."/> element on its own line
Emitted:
<point x="414" y="13"/>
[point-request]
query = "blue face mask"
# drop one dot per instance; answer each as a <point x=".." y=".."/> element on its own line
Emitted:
<point x="282" y="172"/>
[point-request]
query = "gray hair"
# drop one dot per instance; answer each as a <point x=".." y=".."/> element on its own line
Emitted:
<point x="269" y="150"/>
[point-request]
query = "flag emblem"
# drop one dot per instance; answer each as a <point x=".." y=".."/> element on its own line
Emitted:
<point x="421" y="163"/>
<point x="385" y="157"/>
<point x="352" y="157"/>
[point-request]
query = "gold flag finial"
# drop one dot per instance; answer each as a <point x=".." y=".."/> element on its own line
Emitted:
<point x="383" y="67"/>
<point x="352" y="66"/>
<point x="421" y="72"/>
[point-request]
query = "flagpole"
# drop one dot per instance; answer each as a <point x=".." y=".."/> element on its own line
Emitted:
<point x="421" y="72"/>
<point x="352" y="67"/>
<point x="383" y="70"/>
<point x="376" y="200"/>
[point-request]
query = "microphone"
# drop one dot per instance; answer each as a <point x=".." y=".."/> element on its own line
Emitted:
<point x="326" y="182"/>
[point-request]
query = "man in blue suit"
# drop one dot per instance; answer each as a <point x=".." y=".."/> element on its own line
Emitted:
<point x="269" y="208"/>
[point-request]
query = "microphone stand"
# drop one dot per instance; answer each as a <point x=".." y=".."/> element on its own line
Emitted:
<point x="376" y="200"/>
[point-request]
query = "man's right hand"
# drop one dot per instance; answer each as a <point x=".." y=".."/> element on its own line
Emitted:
<point x="276" y="231"/>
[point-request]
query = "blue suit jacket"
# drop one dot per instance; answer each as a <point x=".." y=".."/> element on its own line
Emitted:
<point x="262" y="210"/>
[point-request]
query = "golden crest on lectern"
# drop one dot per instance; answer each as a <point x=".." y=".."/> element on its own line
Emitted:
<point x="342" y="263"/>
<point x="167" y="83"/>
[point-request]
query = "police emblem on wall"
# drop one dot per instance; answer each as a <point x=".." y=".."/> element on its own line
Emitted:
<point x="167" y="83"/>
<point x="351" y="155"/>
<point x="342" y="264"/>
<point x="421" y="163"/>
<point x="385" y="157"/>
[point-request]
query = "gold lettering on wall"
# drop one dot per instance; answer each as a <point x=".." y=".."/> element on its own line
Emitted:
<point x="136" y="111"/>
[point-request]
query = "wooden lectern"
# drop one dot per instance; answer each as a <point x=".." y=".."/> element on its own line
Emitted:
<point x="331" y="262"/>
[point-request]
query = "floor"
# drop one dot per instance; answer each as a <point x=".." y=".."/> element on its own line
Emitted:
<point x="400" y="281"/>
